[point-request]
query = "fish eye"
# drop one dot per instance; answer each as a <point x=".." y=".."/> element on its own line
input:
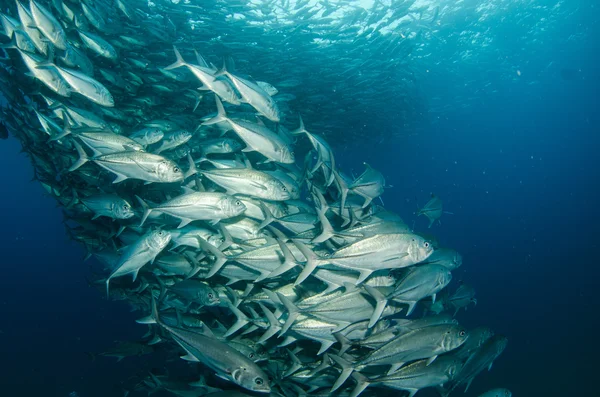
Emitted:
<point x="175" y="169"/>
<point x="462" y="333"/>
<point x="238" y="202"/>
<point x="125" y="206"/>
<point x="251" y="355"/>
<point x="413" y="239"/>
<point x="426" y="244"/>
<point x="210" y="295"/>
<point x="259" y="381"/>
<point x="284" y="189"/>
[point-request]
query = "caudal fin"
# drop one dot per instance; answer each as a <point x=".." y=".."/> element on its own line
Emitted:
<point x="178" y="63"/>
<point x="83" y="157"/>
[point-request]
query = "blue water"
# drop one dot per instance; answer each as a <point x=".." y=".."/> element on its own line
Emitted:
<point x="519" y="169"/>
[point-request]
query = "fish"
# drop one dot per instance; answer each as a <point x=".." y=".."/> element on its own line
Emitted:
<point x="228" y="363"/>
<point x="82" y="84"/>
<point x="432" y="210"/>
<point x="108" y="205"/>
<point x="194" y="206"/>
<point x="48" y="25"/>
<point x="497" y="393"/>
<point x="273" y="267"/>
<point x="144" y="250"/>
<point x="133" y="164"/>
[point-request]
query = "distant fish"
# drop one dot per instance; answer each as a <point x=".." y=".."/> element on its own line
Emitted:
<point x="432" y="210"/>
<point x="497" y="393"/>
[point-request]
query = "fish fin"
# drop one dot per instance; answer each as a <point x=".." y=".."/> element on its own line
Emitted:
<point x="312" y="262"/>
<point x="347" y="370"/>
<point x="379" y="307"/>
<point x="289" y="261"/>
<point x="362" y="382"/>
<point x="394" y="367"/>
<point x="412" y="392"/>
<point x="221" y="115"/>
<point x="108" y="287"/>
<point x="301" y="129"/>
<point x="200" y="60"/>
<point x="468" y="384"/>
<point x="192" y="170"/>
<point x="430" y="360"/>
<point x="364" y="274"/>
<point x="411" y="307"/>
<point x="178" y="63"/>
<point x="274" y="325"/>
<point x="189" y="357"/>
<point x="83" y="158"/>
<point x="146" y="209"/>
<point x="241" y="320"/>
<point x="295" y="365"/>
<point x="345" y="343"/>
<point x="327" y="230"/>
<point x="220" y="258"/>
<point x="269" y="218"/>
<point x="293" y="312"/>
<point x="184" y="222"/>
<point x="288" y="340"/>
<point x="325" y="345"/>
<point x="120" y="178"/>
<point x="343" y="189"/>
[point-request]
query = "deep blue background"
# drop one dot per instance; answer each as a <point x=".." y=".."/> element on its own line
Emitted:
<point x="518" y="169"/>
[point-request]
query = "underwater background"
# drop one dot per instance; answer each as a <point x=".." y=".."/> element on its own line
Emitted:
<point x="507" y="137"/>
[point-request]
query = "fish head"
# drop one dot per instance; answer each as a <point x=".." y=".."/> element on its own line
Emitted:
<point x="153" y="135"/>
<point x="453" y="369"/>
<point x="501" y="343"/>
<point x="277" y="190"/>
<point x="231" y="146"/>
<point x="272" y="112"/>
<point x="444" y="277"/>
<point x="169" y="171"/>
<point x="454" y="337"/>
<point x="209" y="297"/>
<point x="216" y="240"/>
<point x="287" y="156"/>
<point x="123" y="210"/>
<point x="251" y="378"/>
<point x="232" y="206"/>
<point x="107" y="99"/>
<point x="182" y="136"/>
<point x="419" y="249"/>
<point x="62" y="88"/>
<point x="159" y="239"/>
<point x="457" y="259"/>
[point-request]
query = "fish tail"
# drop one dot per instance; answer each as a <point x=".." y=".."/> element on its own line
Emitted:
<point x="179" y="62"/>
<point x="146" y="207"/>
<point x="301" y="129"/>
<point x="241" y="320"/>
<point x="312" y="261"/>
<point x="83" y="157"/>
<point x="293" y="312"/>
<point x="221" y="114"/>
<point x="347" y="370"/>
<point x="380" y="305"/>
<point x="269" y="218"/>
<point x="192" y="170"/>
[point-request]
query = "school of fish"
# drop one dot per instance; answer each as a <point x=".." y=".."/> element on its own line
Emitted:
<point x="216" y="212"/>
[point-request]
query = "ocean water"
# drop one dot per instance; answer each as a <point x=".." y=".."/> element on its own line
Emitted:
<point x="506" y="134"/>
